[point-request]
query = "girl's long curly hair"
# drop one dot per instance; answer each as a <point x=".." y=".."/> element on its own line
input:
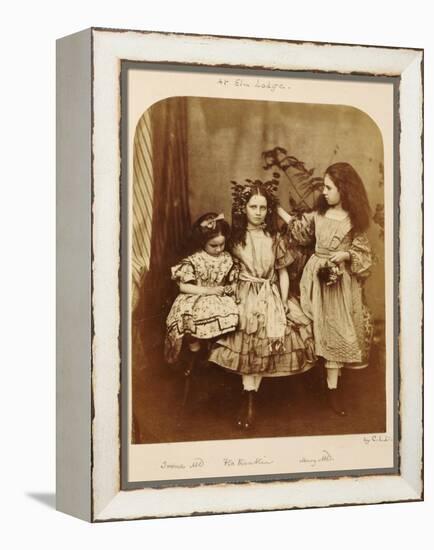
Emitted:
<point x="353" y="195"/>
<point x="239" y="216"/>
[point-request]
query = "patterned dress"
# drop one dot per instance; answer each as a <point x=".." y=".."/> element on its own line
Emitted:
<point x="341" y="321"/>
<point x="201" y="316"/>
<point x="265" y="342"/>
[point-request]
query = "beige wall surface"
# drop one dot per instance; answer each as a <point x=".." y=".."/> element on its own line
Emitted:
<point x="227" y="136"/>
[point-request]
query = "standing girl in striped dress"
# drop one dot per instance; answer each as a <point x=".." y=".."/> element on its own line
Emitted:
<point x="331" y="287"/>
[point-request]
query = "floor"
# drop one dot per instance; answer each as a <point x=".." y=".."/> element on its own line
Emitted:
<point x="286" y="406"/>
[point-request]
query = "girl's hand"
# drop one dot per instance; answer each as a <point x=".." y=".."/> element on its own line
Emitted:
<point x="340" y="257"/>
<point x="289" y="322"/>
<point x="217" y="291"/>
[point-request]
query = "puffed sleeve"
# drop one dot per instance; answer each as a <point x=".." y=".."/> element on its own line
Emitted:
<point x="302" y="230"/>
<point x="360" y="255"/>
<point x="284" y="256"/>
<point x="184" y="272"/>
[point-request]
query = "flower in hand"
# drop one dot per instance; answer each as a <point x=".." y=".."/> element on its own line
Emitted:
<point x="330" y="274"/>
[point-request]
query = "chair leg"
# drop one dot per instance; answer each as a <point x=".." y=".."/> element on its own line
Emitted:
<point x="188" y="371"/>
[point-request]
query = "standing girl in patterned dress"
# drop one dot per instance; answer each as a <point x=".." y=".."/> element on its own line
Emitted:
<point x="274" y="337"/>
<point x="331" y="287"/>
<point x="205" y="307"/>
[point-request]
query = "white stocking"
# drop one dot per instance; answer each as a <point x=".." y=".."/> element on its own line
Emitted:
<point x="333" y="372"/>
<point x="251" y="382"/>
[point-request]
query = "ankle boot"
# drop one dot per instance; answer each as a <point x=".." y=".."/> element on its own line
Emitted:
<point x="246" y="413"/>
<point x="334" y="402"/>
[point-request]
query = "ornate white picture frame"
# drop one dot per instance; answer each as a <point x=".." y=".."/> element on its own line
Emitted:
<point x="95" y="124"/>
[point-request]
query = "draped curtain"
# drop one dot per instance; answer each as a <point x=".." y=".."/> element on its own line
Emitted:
<point x="161" y="214"/>
<point x="143" y="191"/>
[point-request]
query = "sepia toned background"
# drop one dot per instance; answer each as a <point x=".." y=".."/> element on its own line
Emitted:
<point x="186" y="152"/>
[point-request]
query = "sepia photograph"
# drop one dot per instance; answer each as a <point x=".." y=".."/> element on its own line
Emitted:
<point x="223" y="215"/>
<point x="255" y="271"/>
<point x="248" y="230"/>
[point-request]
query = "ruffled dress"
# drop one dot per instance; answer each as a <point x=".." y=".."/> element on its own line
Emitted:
<point x="341" y="321"/>
<point x="201" y="316"/>
<point x="266" y="341"/>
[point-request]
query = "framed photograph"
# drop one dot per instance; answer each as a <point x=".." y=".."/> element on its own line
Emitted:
<point x="239" y="274"/>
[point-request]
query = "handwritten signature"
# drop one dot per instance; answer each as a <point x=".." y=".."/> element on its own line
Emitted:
<point x="195" y="463"/>
<point x="313" y="462"/>
<point x="199" y="462"/>
<point x="368" y="439"/>
<point x="269" y="85"/>
<point x="257" y="461"/>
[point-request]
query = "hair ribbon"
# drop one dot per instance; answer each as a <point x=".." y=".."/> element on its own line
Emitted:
<point x="211" y="222"/>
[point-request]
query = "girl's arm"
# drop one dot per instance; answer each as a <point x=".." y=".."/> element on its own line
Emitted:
<point x="283" y="214"/>
<point x="284" y="285"/>
<point x="188" y="288"/>
<point x="301" y="230"/>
